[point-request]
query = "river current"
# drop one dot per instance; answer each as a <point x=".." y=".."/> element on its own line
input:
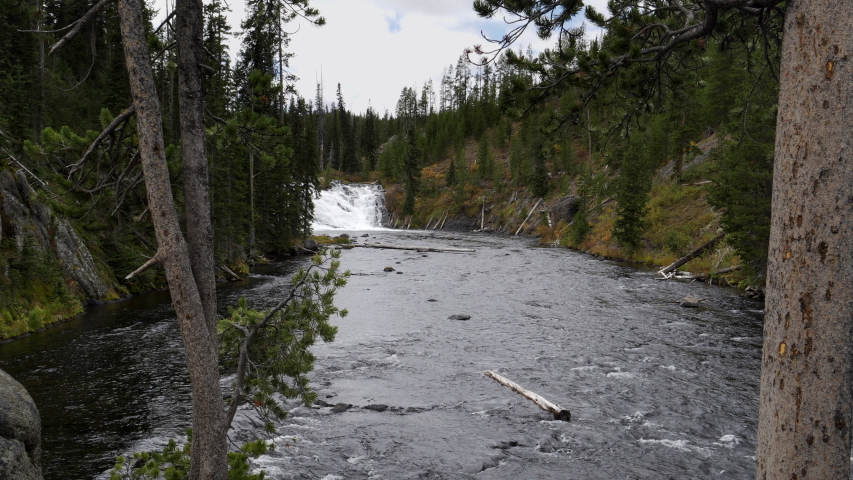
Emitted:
<point x="655" y="390"/>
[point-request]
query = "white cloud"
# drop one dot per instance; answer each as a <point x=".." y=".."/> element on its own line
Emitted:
<point x="374" y="48"/>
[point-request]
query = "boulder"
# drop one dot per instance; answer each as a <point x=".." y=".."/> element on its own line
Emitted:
<point x="20" y="432"/>
<point x="312" y="245"/>
<point x="565" y="209"/>
<point x="459" y="317"/>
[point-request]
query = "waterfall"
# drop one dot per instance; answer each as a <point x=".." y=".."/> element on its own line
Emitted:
<point x="357" y="206"/>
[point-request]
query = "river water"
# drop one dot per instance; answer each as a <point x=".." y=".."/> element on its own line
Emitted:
<point x="655" y="390"/>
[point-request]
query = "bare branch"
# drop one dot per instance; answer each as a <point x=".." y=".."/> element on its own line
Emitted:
<point x="78" y="24"/>
<point x="157" y="258"/>
<point x="121" y="118"/>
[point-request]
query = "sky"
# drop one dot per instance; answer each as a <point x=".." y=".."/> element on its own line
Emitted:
<point x="374" y="48"/>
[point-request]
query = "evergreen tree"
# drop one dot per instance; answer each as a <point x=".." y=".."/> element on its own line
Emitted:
<point x="411" y="171"/>
<point x="370" y="139"/>
<point x="349" y="154"/>
<point x="632" y="193"/>
<point x="539" y="177"/>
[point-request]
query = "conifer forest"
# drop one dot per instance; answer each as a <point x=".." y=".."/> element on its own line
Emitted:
<point x="140" y="150"/>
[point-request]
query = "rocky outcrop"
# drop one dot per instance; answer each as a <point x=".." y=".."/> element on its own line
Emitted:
<point x="77" y="261"/>
<point x="20" y="432"/>
<point x="565" y="208"/>
<point x="22" y="219"/>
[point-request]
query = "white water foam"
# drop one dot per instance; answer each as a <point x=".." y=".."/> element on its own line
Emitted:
<point x="356" y="206"/>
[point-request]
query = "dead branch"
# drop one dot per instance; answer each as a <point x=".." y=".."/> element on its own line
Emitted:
<point x="157" y="258"/>
<point x="78" y="24"/>
<point x="121" y="118"/>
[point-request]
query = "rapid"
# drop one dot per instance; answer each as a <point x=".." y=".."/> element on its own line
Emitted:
<point x="656" y="390"/>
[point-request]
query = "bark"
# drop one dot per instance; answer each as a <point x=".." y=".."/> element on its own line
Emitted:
<point x="189" y="21"/>
<point x="806" y="407"/>
<point x="209" y="448"/>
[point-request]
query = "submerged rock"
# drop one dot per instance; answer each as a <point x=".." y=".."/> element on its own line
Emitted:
<point x="378" y="407"/>
<point x="691" y="302"/>
<point x="341" y="407"/>
<point x="20" y="432"/>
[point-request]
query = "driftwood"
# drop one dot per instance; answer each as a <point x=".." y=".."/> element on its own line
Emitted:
<point x="690" y="256"/>
<point x="234" y="276"/>
<point x="416" y="249"/>
<point x="528" y="216"/>
<point x="559" y="412"/>
<point x="708" y="276"/>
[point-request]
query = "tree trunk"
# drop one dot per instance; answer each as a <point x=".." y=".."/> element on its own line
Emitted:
<point x="806" y="407"/>
<point x="196" y="178"/>
<point x="209" y="448"/>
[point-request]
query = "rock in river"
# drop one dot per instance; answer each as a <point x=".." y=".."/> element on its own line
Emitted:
<point x="459" y="317"/>
<point x="20" y="432"/>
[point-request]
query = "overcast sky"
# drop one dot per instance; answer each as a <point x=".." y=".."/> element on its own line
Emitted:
<point x="374" y="48"/>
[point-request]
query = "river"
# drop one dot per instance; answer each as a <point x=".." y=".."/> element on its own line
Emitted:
<point x="655" y="390"/>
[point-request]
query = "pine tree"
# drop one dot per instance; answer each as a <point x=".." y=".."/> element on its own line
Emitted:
<point x="632" y="193"/>
<point x="411" y="171"/>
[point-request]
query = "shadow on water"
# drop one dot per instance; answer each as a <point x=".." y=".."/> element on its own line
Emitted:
<point x="655" y="390"/>
<point x="113" y="379"/>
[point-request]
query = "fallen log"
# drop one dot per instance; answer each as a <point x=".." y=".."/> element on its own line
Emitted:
<point x="559" y="412"/>
<point x="528" y="216"/>
<point x="690" y="256"/>
<point x="234" y="276"/>
<point x="416" y="249"/>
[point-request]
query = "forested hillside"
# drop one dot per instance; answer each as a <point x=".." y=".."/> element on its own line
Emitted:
<point x="646" y="164"/>
<point x="622" y="160"/>
<point x="71" y="157"/>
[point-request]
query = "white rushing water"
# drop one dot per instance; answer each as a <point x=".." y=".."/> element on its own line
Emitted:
<point x="356" y="206"/>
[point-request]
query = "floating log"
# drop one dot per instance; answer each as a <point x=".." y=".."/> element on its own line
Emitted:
<point x="528" y="216"/>
<point x="416" y="249"/>
<point x="559" y="412"/>
<point x="690" y="256"/>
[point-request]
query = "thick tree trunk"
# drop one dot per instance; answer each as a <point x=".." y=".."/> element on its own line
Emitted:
<point x="196" y="179"/>
<point x="806" y="406"/>
<point x="209" y="448"/>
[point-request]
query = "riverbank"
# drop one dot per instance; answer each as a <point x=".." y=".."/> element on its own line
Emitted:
<point x="579" y="214"/>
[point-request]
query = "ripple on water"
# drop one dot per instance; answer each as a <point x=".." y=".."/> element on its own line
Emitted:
<point x="654" y="393"/>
